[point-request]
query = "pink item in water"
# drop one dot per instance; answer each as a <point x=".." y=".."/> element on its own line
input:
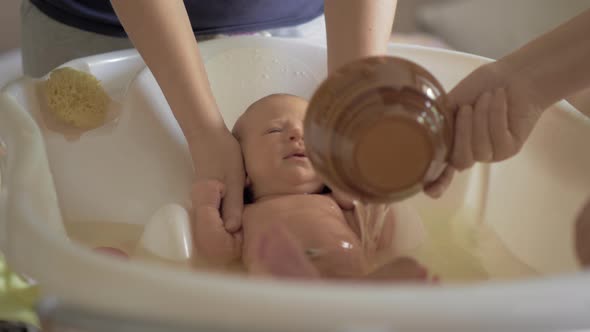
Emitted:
<point x="114" y="252"/>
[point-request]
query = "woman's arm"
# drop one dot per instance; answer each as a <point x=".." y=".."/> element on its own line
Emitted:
<point x="500" y="103"/>
<point x="161" y="32"/>
<point x="556" y="64"/>
<point x="357" y="28"/>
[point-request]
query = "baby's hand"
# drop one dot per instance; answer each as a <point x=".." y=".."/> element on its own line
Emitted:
<point x="343" y="200"/>
<point x="212" y="241"/>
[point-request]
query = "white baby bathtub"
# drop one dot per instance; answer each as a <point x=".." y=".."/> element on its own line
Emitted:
<point x="124" y="174"/>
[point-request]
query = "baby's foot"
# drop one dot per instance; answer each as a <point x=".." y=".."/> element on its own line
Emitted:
<point x="279" y="254"/>
<point x="113" y="252"/>
<point x="402" y="269"/>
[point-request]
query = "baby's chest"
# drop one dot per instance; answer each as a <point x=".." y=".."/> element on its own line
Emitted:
<point x="303" y="215"/>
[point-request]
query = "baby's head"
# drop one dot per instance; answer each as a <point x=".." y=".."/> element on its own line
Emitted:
<point x="270" y="133"/>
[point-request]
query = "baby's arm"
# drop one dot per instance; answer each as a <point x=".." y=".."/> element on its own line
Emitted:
<point x="402" y="228"/>
<point x="346" y="202"/>
<point x="212" y="241"/>
<point x="402" y="231"/>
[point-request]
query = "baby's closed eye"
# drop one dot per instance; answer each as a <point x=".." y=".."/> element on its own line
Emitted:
<point x="274" y="130"/>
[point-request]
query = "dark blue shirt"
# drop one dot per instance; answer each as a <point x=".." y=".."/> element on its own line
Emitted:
<point x="206" y="16"/>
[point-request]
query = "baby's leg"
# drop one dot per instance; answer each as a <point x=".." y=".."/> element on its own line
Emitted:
<point x="279" y="254"/>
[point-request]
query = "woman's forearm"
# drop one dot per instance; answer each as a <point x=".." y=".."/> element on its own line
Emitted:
<point x="161" y="32"/>
<point x="357" y="28"/>
<point x="557" y="64"/>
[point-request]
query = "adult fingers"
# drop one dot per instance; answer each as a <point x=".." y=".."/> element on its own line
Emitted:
<point x="232" y="204"/>
<point x="503" y="142"/>
<point x="462" y="154"/>
<point x="481" y="141"/>
<point x="437" y="188"/>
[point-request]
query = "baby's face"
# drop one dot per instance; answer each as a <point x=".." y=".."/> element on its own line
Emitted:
<point x="271" y="136"/>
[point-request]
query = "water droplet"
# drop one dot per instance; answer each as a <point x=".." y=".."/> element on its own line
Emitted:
<point x="346" y="245"/>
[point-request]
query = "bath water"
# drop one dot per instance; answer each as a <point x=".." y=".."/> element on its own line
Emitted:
<point x="456" y="250"/>
<point x="126" y="237"/>
<point x="464" y="250"/>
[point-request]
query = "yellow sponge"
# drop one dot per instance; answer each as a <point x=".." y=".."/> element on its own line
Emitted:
<point x="76" y="98"/>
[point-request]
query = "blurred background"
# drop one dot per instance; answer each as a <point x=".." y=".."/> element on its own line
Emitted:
<point x="10" y="65"/>
<point x="482" y="27"/>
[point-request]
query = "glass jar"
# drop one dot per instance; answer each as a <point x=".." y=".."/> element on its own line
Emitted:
<point x="378" y="129"/>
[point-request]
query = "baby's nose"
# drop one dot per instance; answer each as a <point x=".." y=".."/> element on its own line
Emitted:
<point x="296" y="134"/>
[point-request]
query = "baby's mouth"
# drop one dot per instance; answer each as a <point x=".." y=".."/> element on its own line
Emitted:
<point x="299" y="154"/>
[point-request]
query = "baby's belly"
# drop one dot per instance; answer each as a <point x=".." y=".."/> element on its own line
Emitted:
<point x="325" y="238"/>
<point x="327" y="233"/>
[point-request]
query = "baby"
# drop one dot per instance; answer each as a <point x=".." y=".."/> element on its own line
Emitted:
<point x="293" y="226"/>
